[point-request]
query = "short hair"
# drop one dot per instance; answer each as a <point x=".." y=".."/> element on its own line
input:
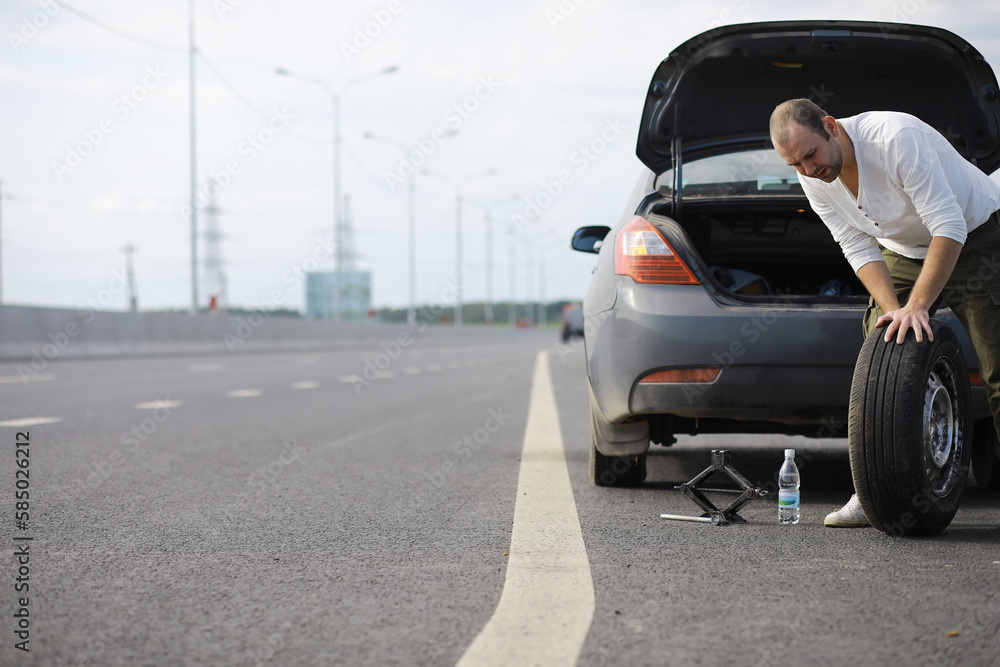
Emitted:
<point x="801" y="111"/>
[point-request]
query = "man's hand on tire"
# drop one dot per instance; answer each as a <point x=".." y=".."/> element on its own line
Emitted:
<point x="902" y="320"/>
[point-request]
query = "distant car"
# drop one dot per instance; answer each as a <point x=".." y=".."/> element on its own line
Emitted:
<point x="720" y="302"/>
<point x="572" y="321"/>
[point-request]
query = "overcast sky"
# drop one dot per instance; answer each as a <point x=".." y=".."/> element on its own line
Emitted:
<point x="94" y="138"/>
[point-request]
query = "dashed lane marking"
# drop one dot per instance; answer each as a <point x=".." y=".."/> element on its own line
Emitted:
<point x="14" y="379"/>
<point x="244" y="393"/>
<point x="547" y="603"/>
<point x="164" y="404"/>
<point x="24" y="422"/>
<point x="305" y="385"/>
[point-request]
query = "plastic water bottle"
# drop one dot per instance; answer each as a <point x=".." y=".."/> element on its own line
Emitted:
<point x="788" y="489"/>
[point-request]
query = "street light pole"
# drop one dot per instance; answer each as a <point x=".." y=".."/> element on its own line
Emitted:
<point x="459" y="285"/>
<point x="455" y="183"/>
<point x="488" y="220"/>
<point x="337" y="216"/>
<point x="411" y="192"/>
<point x="194" y="161"/>
<point x="512" y="306"/>
<point x="1" y="242"/>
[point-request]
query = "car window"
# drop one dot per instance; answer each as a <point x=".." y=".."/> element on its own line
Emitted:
<point x="756" y="172"/>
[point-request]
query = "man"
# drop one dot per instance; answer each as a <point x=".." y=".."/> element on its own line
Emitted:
<point x="917" y="222"/>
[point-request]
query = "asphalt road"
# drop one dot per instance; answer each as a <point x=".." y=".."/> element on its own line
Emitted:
<point x="356" y="507"/>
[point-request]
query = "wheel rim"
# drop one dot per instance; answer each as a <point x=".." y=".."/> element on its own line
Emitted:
<point x="942" y="430"/>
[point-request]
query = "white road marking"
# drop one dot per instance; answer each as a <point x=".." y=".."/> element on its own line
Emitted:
<point x="547" y="604"/>
<point x="244" y="393"/>
<point x="411" y="370"/>
<point x="305" y="385"/>
<point x="351" y="378"/>
<point x="24" y="422"/>
<point x="434" y="368"/>
<point x="13" y="379"/>
<point x="163" y="404"/>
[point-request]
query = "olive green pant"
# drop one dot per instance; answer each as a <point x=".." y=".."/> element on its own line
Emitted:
<point x="972" y="292"/>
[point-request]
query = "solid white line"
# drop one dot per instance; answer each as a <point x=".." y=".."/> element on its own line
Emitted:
<point x="30" y="421"/>
<point x="547" y="604"/>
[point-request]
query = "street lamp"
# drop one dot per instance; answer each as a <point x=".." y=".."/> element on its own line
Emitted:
<point x="457" y="184"/>
<point x="335" y="94"/>
<point x="411" y="188"/>
<point x="488" y="219"/>
<point x="1" y="241"/>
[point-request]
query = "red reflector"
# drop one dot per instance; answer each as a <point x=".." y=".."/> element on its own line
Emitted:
<point x="642" y="253"/>
<point x="683" y="375"/>
<point x="975" y="379"/>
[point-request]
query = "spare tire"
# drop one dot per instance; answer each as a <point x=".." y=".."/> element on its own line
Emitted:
<point x="909" y="431"/>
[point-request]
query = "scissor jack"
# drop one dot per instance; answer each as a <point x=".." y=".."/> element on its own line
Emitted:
<point x="720" y="463"/>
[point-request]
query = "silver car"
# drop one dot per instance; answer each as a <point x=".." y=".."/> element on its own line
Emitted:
<point x="720" y="303"/>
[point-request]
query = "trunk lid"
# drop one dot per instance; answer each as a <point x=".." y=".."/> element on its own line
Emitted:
<point x="715" y="92"/>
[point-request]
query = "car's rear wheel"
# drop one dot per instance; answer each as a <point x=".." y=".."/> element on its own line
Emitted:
<point x="616" y="470"/>
<point x="624" y="470"/>
<point x="910" y="418"/>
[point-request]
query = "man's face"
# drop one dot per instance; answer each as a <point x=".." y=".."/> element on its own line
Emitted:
<point x="812" y="155"/>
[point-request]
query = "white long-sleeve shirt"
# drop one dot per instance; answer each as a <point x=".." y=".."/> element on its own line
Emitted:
<point x="912" y="186"/>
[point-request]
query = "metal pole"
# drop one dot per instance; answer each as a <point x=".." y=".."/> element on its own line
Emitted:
<point x="194" y="162"/>
<point x="458" y="255"/>
<point x="489" y="267"/>
<point x="1" y="242"/>
<point x="512" y="307"/>
<point x="338" y="238"/>
<point x="411" y="313"/>
<point x="542" y="307"/>
<point x="411" y="191"/>
<point x="529" y="307"/>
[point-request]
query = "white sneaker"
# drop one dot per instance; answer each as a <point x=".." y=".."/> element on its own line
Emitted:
<point x="849" y="516"/>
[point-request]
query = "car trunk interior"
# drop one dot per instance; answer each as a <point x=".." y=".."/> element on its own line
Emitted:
<point x="758" y="250"/>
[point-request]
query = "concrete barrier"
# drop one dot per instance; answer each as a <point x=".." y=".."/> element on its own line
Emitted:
<point x="44" y="334"/>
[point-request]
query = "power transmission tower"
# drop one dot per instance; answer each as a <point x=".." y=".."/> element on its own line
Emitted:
<point x="133" y="300"/>
<point x="215" y="277"/>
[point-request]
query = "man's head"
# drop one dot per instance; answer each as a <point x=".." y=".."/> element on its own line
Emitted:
<point x="805" y="137"/>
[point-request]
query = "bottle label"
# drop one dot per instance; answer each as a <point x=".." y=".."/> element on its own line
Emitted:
<point x="788" y="499"/>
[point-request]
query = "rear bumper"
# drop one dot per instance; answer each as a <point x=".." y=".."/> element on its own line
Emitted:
<point x="781" y="362"/>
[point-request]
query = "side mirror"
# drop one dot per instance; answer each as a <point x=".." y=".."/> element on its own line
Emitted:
<point x="589" y="239"/>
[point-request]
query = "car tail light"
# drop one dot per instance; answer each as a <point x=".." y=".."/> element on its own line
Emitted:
<point x="642" y="253"/>
<point x="975" y="379"/>
<point x="682" y="375"/>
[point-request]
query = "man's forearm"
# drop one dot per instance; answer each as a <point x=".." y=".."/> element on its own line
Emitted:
<point x="877" y="280"/>
<point x="942" y="255"/>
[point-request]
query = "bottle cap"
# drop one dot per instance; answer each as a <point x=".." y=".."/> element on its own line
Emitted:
<point x="789" y="453"/>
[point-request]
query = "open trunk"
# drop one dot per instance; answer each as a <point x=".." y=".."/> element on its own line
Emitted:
<point x="766" y="250"/>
